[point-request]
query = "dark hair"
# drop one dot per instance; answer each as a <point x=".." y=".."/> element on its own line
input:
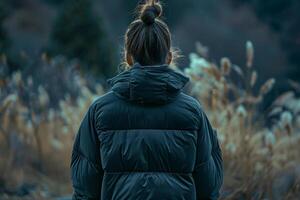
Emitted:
<point x="148" y="39"/>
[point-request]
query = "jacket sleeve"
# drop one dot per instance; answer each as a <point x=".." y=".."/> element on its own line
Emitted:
<point x="208" y="171"/>
<point x="86" y="170"/>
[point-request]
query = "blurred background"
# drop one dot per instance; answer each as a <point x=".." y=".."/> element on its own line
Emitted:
<point x="243" y="57"/>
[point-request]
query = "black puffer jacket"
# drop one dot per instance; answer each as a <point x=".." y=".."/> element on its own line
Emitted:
<point x="146" y="140"/>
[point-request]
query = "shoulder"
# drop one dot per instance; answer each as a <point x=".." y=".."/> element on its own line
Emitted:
<point x="103" y="99"/>
<point x="195" y="106"/>
<point x="100" y="101"/>
<point x="191" y="102"/>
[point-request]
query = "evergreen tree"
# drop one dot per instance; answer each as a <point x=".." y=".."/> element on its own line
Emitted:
<point x="77" y="33"/>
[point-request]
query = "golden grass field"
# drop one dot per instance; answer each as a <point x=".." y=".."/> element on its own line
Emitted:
<point x="261" y="162"/>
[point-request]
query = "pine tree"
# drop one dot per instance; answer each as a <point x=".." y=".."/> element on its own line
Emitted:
<point x="77" y="33"/>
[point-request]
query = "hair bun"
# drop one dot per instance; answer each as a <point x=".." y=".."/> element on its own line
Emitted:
<point x="150" y="12"/>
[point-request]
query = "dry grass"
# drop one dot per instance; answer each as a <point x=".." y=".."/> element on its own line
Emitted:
<point x="256" y="157"/>
<point x="36" y="140"/>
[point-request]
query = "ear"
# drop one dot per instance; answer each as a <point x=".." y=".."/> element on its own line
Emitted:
<point x="129" y="59"/>
<point x="169" y="58"/>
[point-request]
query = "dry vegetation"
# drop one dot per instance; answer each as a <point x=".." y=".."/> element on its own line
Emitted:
<point x="261" y="162"/>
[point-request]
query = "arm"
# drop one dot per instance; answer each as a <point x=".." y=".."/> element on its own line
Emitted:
<point x="86" y="170"/>
<point x="208" y="171"/>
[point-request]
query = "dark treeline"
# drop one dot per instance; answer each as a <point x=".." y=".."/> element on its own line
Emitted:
<point x="75" y="32"/>
<point x="92" y="31"/>
<point x="283" y="17"/>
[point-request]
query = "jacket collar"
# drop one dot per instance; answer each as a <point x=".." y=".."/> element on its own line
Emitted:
<point x="157" y="84"/>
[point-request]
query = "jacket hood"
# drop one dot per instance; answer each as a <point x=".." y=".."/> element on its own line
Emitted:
<point x="158" y="84"/>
